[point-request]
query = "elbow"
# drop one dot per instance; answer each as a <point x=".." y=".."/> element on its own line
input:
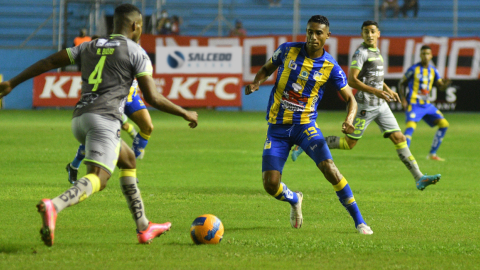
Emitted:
<point x="351" y="82"/>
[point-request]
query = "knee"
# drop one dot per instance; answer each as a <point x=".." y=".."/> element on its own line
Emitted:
<point x="128" y="160"/>
<point x="330" y="171"/>
<point x="397" y="137"/>
<point x="443" y="123"/>
<point x="271" y="182"/>
<point x="147" y="129"/>
<point x="326" y="166"/>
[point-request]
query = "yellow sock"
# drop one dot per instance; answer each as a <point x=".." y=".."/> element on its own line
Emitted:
<point x="343" y="144"/>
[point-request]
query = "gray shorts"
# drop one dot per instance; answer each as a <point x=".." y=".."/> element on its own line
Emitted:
<point x="101" y="137"/>
<point x="382" y="115"/>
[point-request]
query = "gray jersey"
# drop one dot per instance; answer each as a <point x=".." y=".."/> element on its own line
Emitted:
<point x="108" y="69"/>
<point x="370" y="63"/>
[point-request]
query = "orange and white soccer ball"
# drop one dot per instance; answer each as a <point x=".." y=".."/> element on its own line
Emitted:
<point x="206" y="229"/>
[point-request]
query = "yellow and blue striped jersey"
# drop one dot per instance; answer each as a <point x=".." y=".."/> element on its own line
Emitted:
<point x="133" y="91"/>
<point x="300" y="84"/>
<point x="420" y="83"/>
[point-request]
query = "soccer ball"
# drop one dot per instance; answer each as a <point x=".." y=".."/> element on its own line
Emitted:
<point x="206" y="229"/>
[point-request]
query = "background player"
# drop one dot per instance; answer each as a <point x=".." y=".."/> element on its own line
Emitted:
<point x="303" y="70"/>
<point x="108" y="69"/>
<point x="420" y="78"/>
<point x="136" y="110"/>
<point x="366" y="75"/>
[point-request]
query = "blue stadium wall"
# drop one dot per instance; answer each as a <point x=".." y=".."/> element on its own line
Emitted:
<point x="12" y="63"/>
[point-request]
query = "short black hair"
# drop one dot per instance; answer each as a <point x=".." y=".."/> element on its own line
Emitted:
<point x="125" y="9"/>
<point x="368" y="23"/>
<point x="319" y="19"/>
<point x="425" y="47"/>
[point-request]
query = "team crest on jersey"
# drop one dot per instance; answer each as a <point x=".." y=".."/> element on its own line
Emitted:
<point x="268" y="144"/>
<point x="118" y="133"/>
<point x="363" y="112"/>
<point x="296" y="87"/>
<point x="292" y="65"/>
<point x="275" y="54"/>
<point x="317" y="76"/>
<point x="303" y="75"/>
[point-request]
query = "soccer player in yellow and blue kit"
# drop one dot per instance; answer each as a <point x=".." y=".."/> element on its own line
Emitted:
<point x="419" y="80"/>
<point x="303" y="70"/>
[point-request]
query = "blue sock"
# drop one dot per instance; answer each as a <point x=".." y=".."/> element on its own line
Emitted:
<point x="139" y="143"/>
<point x="285" y="194"/>
<point x="437" y="140"/>
<point x="79" y="156"/>
<point x="408" y="135"/>
<point x="345" y="195"/>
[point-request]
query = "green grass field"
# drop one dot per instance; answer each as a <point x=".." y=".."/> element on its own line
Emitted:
<point x="216" y="169"/>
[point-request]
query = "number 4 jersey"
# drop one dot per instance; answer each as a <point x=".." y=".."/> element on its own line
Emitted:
<point x="108" y="67"/>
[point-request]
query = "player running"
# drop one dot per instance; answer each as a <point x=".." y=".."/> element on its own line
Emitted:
<point x="366" y="75"/>
<point x="420" y="79"/>
<point x="136" y="110"/>
<point x="109" y="67"/>
<point x="303" y="70"/>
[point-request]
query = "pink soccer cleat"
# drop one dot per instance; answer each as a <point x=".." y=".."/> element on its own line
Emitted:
<point x="49" y="217"/>
<point x="153" y="230"/>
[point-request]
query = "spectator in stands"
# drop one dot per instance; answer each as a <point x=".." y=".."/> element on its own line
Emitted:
<point x="82" y="37"/>
<point x="168" y="25"/>
<point x="274" y="3"/>
<point x="238" y="31"/>
<point x="409" y="5"/>
<point x="390" y="4"/>
<point x="176" y="22"/>
<point x="164" y="25"/>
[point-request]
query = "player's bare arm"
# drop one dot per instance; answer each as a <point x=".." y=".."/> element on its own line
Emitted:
<point x="262" y="76"/>
<point x="443" y="84"/>
<point x="159" y="102"/>
<point x="347" y="95"/>
<point x="402" y="86"/>
<point x="354" y="82"/>
<point x="394" y="95"/>
<point x="56" y="60"/>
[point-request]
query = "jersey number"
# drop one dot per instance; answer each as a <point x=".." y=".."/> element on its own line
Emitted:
<point x="360" y="123"/>
<point x="95" y="77"/>
<point x="310" y="131"/>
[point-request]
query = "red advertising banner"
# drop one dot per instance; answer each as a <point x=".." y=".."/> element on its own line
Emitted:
<point x="199" y="90"/>
<point x="455" y="58"/>
<point x="57" y="89"/>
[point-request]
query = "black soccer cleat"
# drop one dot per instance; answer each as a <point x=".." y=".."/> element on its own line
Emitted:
<point x="72" y="174"/>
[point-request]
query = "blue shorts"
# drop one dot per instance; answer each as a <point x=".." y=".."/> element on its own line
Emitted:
<point x="281" y="138"/>
<point x="427" y="112"/>
<point x="134" y="103"/>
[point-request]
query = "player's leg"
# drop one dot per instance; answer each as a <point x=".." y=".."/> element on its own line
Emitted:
<point x="389" y="126"/>
<point x="435" y="118"/>
<point x="410" y="128"/>
<point x="296" y="151"/>
<point x="129" y="128"/>
<point x="99" y="135"/>
<point x="413" y="115"/>
<point x="144" y="122"/>
<point x="275" y="154"/>
<point x="362" y="120"/>
<point x="146" y="230"/>
<point x="72" y="167"/>
<point x="316" y="147"/>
